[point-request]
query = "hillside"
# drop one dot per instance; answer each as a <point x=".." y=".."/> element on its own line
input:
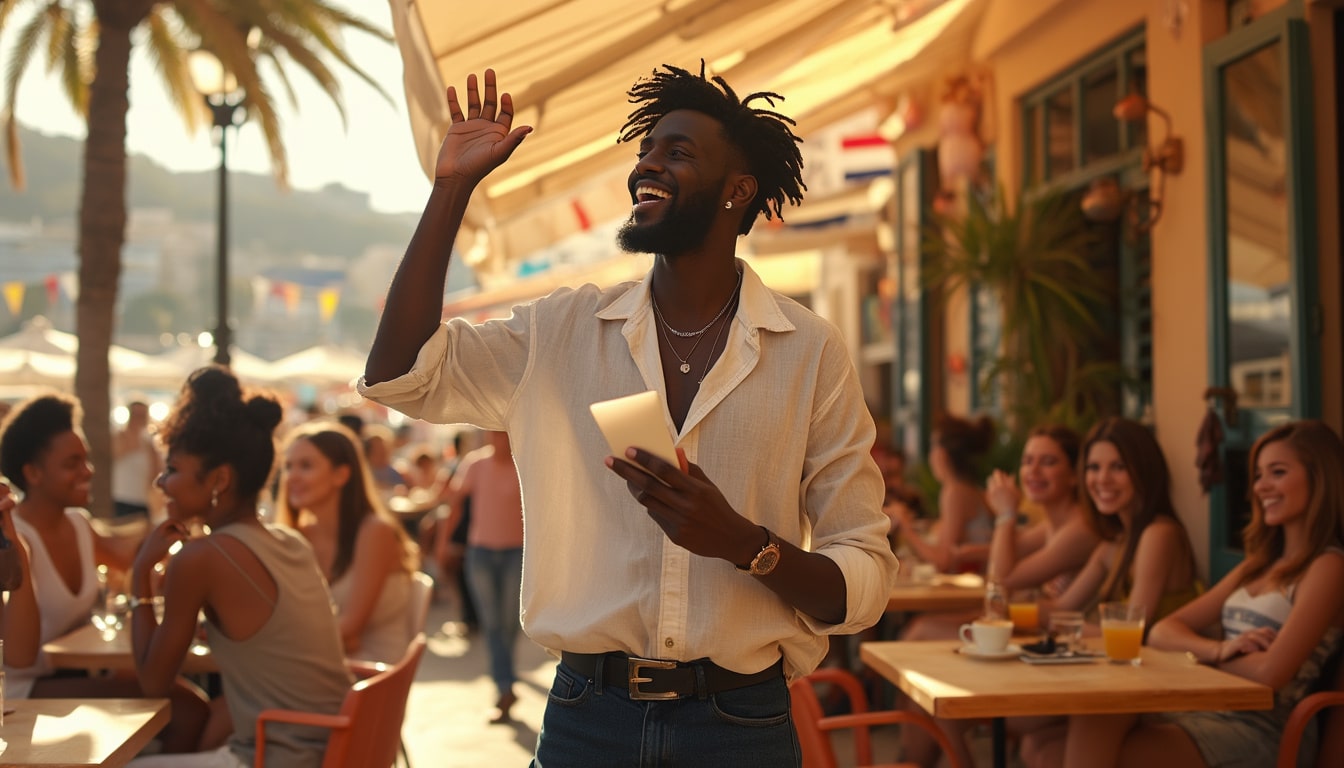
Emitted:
<point x="333" y="221"/>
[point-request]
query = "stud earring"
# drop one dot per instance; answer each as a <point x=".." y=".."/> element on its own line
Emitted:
<point x="214" y="498"/>
<point x="728" y="205"/>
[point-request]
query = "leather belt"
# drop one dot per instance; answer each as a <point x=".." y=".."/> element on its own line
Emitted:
<point x="658" y="680"/>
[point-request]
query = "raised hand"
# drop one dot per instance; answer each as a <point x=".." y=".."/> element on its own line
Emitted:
<point x="480" y="140"/>
<point x="1002" y="494"/>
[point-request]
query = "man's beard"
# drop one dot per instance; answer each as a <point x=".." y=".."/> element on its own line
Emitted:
<point x="683" y="228"/>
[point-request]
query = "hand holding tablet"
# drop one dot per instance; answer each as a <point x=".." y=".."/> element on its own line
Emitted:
<point x="635" y="420"/>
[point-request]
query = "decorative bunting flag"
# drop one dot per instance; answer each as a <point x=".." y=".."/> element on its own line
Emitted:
<point x="327" y="300"/>
<point x="14" y="296"/>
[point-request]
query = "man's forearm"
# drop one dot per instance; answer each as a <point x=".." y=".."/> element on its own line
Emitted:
<point x="414" y="305"/>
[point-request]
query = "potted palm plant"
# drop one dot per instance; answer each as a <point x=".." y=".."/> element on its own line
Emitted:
<point x="1032" y="258"/>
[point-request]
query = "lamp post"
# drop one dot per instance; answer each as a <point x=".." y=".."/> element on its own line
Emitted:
<point x="220" y="91"/>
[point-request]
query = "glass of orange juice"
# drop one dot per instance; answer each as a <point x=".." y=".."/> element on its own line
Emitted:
<point x="1122" y="632"/>
<point x="1025" y="611"/>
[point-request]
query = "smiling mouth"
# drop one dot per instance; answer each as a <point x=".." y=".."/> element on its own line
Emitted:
<point x="647" y="195"/>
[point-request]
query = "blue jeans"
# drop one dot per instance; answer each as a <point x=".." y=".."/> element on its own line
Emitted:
<point x="588" y="727"/>
<point x="495" y="578"/>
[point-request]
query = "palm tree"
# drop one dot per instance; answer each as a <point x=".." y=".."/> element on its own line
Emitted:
<point x="88" y="43"/>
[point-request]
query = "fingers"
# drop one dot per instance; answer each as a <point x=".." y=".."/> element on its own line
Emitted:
<point x="488" y="108"/>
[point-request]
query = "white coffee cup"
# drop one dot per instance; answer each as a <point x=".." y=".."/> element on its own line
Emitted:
<point x="987" y="635"/>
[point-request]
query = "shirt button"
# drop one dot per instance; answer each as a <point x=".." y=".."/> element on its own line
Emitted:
<point x="669" y="642"/>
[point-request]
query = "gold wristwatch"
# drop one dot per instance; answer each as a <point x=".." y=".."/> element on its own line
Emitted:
<point x="765" y="560"/>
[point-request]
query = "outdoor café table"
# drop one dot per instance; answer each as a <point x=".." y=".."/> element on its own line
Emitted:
<point x="948" y="684"/>
<point x="944" y="592"/>
<point x="65" y="733"/>
<point x="89" y="648"/>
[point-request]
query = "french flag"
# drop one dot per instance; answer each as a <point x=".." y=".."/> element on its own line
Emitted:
<point x="865" y="157"/>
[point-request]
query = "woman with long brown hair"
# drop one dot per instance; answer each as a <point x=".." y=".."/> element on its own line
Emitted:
<point x="327" y="493"/>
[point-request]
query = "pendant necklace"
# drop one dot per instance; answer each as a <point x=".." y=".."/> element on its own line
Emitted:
<point x="685" y="361"/>
<point x="699" y="335"/>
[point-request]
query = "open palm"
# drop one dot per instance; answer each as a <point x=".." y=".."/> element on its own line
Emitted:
<point x="482" y="138"/>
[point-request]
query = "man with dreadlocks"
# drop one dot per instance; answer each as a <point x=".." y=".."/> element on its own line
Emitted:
<point x="681" y="600"/>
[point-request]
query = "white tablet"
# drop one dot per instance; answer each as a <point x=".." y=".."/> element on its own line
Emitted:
<point x="635" y="420"/>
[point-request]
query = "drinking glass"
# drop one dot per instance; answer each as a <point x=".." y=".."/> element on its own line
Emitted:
<point x="1025" y="611"/>
<point x="1122" y="632"/>
<point x="1067" y="627"/>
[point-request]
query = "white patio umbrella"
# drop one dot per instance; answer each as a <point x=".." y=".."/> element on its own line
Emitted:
<point x="325" y="365"/>
<point x="25" y="368"/>
<point x="129" y="368"/>
<point x="245" y="365"/>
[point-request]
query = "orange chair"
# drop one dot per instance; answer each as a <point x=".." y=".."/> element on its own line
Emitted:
<point x="367" y="730"/>
<point x="1330" y="751"/>
<point x="814" y="727"/>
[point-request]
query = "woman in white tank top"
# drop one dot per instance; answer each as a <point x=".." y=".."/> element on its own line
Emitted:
<point x="44" y="456"/>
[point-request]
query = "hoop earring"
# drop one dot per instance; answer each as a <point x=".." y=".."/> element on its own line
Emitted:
<point x="728" y="205"/>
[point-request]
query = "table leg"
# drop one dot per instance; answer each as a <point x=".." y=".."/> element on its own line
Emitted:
<point x="999" y="737"/>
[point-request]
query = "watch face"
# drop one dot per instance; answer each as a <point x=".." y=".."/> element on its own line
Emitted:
<point x="765" y="562"/>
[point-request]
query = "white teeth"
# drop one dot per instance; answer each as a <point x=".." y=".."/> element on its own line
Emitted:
<point x="645" y="189"/>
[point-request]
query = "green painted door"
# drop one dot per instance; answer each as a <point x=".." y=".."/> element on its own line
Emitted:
<point x="1261" y="232"/>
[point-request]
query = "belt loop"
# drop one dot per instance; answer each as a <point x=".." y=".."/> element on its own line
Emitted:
<point x="701" y="689"/>
<point x="599" y="673"/>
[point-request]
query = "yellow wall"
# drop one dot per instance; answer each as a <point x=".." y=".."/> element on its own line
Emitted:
<point x="1062" y="35"/>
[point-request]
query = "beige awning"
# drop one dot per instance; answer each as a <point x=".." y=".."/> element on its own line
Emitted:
<point x="569" y="63"/>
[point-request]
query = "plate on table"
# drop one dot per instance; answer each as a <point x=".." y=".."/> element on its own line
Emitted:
<point x="1012" y="651"/>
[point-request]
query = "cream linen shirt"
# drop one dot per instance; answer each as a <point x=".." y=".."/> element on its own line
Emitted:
<point x="779" y="425"/>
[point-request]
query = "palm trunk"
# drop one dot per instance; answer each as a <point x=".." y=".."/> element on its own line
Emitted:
<point x="102" y="231"/>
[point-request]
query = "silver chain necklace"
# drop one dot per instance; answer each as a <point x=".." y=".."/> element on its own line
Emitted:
<point x="690" y="334"/>
<point x="685" y="366"/>
<point x="710" y="360"/>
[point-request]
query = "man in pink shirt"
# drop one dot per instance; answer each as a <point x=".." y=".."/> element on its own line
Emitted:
<point x="494" y="567"/>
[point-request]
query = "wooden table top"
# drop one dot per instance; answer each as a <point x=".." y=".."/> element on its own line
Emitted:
<point x="88" y="648"/>
<point x="947" y="684"/>
<point x="945" y="592"/>
<point x="75" y="733"/>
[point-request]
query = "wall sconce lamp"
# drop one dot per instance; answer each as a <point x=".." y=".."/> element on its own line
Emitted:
<point x="1166" y="157"/>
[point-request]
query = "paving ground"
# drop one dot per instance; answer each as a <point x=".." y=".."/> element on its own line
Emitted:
<point x="447" y="719"/>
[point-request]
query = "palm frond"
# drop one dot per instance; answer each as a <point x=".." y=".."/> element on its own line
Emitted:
<point x="167" y="51"/>
<point x="314" y="65"/>
<point x="7" y="7"/>
<point x="72" y="69"/>
<point x="322" y="22"/>
<point x="267" y="50"/>
<point x="58" y="26"/>
<point x="19" y="56"/>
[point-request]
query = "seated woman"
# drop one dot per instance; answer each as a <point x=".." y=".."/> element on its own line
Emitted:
<point x="962" y="535"/>
<point x="365" y="554"/>
<point x="1275" y="618"/>
<point x="44" y="456"/>
<point x="1145" y="556"/>
<point x="1050" y="552"/>
<point x="1046" y="554"/>
<point x="268" y="616"/>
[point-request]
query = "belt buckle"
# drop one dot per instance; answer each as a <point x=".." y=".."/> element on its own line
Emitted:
<point x="635" y="666"/>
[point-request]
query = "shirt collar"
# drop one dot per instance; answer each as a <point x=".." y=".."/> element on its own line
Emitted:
<point x="758" y="307"/>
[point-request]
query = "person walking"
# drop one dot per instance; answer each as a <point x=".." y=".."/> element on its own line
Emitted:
<point x="494" y="558"/>
<point x="681" y="595"/>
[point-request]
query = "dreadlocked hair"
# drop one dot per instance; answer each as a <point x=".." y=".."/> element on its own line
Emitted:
<point x="763" y="136"/>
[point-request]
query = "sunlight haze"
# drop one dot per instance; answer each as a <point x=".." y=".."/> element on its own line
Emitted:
<point x="373" y="153"/>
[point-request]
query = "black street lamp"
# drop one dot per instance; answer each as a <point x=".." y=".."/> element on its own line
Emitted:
<point x="222" y="97"/>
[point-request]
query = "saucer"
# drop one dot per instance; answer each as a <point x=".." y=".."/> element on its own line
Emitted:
<point x="1012" y="651"/>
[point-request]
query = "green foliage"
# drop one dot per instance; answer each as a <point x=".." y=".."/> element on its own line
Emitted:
<point x="1033" y="261"/>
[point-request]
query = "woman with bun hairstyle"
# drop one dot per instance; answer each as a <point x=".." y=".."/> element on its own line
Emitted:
<point x="327" y="494"/>
<point x="964" y="524"/>
<point x="268" y="614"/>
